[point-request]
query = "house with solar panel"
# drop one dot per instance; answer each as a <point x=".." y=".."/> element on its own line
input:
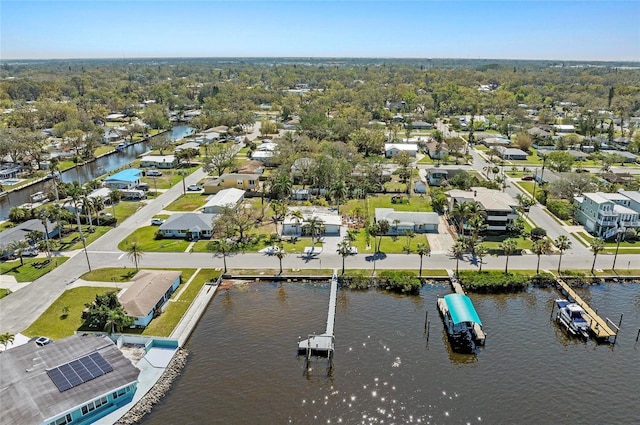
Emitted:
<point x="77" y="380"/>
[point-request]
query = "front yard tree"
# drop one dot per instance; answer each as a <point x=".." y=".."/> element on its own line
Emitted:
<point x="161" y="142"/>
<point x="221" y="157"/>
<point x="481" y="252"/>
<point x="280" y="253"/>
<point x="106" y="313"/>
<point x="18" y="248"/>
<point x="422" y="249"/>
<point x="344" y="249"/>
<point x="563" y="244"/>
<point x="457" y="250"/>
<point x="540" y="247"/>
<point x="597" y="246"/>
<point x="135" y="253"/>
<point x="508" y="247"/>
<point x="221" y="246"/>
<point x="315" y="227"/>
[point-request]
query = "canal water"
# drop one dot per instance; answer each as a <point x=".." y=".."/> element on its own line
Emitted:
<point x="243" y="367"/>
<point x="89" y="171"/>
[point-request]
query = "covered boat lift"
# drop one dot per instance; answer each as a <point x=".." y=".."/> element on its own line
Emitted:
<point x="459" y="314"/>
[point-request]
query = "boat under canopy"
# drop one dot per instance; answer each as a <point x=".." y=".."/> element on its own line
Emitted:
<point x="461" y="309"/>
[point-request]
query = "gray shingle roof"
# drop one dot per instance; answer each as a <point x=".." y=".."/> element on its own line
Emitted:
<point x="182" y="221"/>
<point x="407" y="217"/>
<point x="148" y="287"/>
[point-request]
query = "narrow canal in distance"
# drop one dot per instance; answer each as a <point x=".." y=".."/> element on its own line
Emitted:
<point x="89" y="171"/>
<point x="243" y="367"/>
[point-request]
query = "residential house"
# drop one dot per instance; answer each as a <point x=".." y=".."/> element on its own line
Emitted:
<point x="246" y="182"/>
<point x="206" y="138"/>
<point x="564" y="128"/>
<point x="111" y="135"/>
<point x="263" y="156"/>
<point x="76" y="380"/>
<point x="499" y="206"/>
<point x="251" y="167"/>
<point x="511" y="153"/>
<point x="125" y="179"/>
<point x="419" y="186"/>
<point x="496" y="141"/>
<point x="627" y="157"/>
<point x="393" y="149"/>
<point x="399" y="221"/>
<point x="331" y="221"/>
<point x="103" y="193"/>
<point x="441" y="176"/>
<point x="192" y="226"/>
<point x="148" y="293"/>
<point x="188" y="145"/>
<point x="436" y="150"/>
<point x="603" y="214"/>
<point x="538" y="133"/>
<point x="225" y="198"/>
<point x="159" y="161"/>
<point x="20" y="232"/>
<point x="9" y="172"/>
<point x="420" y="125"/>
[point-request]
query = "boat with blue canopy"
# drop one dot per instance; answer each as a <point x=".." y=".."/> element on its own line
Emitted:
<point x="463" y="326"/>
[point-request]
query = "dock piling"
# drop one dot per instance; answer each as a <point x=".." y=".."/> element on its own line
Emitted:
<point x="638" y="335"/>
<point x="426" y="319"/>
<point x="428" y="330"/>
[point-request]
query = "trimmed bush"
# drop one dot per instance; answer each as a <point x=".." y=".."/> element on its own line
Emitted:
<point x="400" y="281"/>
<point x="561" y="209"/>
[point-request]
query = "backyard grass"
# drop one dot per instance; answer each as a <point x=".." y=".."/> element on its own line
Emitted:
<point x="144" y="236"/>
<point x="416" y="203"/>
<point x="175" y="308"/>
<point x="54" y="324"/>
<point x="187" y="202"/>
<point x="107" y="274"/>
<point x="493" y="242"/>
<point x="125" y="209"/>
<point x="32" y="269"/>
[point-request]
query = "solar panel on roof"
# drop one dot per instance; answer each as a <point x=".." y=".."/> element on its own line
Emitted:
<point x="79" y="371"/>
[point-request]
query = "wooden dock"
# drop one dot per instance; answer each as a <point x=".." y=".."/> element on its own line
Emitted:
<point x="323" y="345"/>
<point x="597" y="325"/>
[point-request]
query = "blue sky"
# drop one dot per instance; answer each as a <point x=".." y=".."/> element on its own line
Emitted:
<point x="559" y="30"/>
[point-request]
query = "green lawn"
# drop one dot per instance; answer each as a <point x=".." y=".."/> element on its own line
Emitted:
<point x="4" y="292"/>
<point x="527" y="186"/>
<point x="144" y="236"/>
<point x="610" y="247"/>
<point x="187" y="202"/>
<point x="493" y="242"/>
<point x="168" y="179"/>
<point x="54" y="324"/>
<point x="32" y="269"/>
<point x="389" y="244"/>
<point x="416" y="203"/>
<point x="125" y="209"/>
<point x="6" y="225"/>
<point x="71" y="241"/>
<point x="532" y="159"/>
<point x="107" y="274"/>
<point x="175" y="309"/>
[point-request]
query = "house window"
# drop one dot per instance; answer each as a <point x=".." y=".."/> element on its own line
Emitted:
<point x="90" y="407"/>
<point x="252" y="182"/>
<point x="63" y="420"/>
<point x="239" y="182"/>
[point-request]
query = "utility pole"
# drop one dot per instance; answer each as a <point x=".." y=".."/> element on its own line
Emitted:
<point x="615" y="257"/>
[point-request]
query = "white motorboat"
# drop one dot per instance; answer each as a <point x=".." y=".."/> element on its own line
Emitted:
<point x="571" y="317"/>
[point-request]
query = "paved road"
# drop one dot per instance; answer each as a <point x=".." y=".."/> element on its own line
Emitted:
<point x="24" y="306"/>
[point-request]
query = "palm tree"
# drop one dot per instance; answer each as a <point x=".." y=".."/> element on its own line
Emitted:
<point x="6" y="339"/>
<point x="481" y="251"/>
<point x="54" y="167"/>
<point x="422" y="249"/>
<point x="76" y="192"/>
<point x="279" y="209"/>
<point x="477" y="224"/>
<point x="383" y="229"/>
<point x="344" y="249"/>
<point x="281" y="186"/>
<point x="117" y="320"/>
<point x="135" y="253"/>
<point x="409" y="234"/>
<point x="339" y="192"/>
<point x="457" y="250"/>
<point x="597" y="246"/>
<point x="299" y="217"/>
<point x="43" y="214"/>
<point x="540" y="247"/>
<point x="280" y="253"/>
<point x="315" y="226"/>
<point x="114" y="197"/>
<point x="508" y="246"/>
<point x="18" y="248"/>
<point x="460" y="211"/>
<point x="222" y="246"/>
<point x="563" y="244"/>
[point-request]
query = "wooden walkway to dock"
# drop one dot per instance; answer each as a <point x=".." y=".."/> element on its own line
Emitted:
<point x="323" y="344"/>
<point x="598" y="326"/>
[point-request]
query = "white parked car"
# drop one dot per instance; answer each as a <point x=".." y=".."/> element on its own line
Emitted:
<point x="156" y="221"/>
<point x="194" y="187"/>
<point x="153" y="173"/>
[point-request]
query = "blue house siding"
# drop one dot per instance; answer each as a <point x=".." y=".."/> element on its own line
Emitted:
<point x="144" y="321"/>
<point x="97" y="408"/>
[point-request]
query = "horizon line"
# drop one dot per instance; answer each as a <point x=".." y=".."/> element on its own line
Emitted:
<point x="318" y="57"/>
